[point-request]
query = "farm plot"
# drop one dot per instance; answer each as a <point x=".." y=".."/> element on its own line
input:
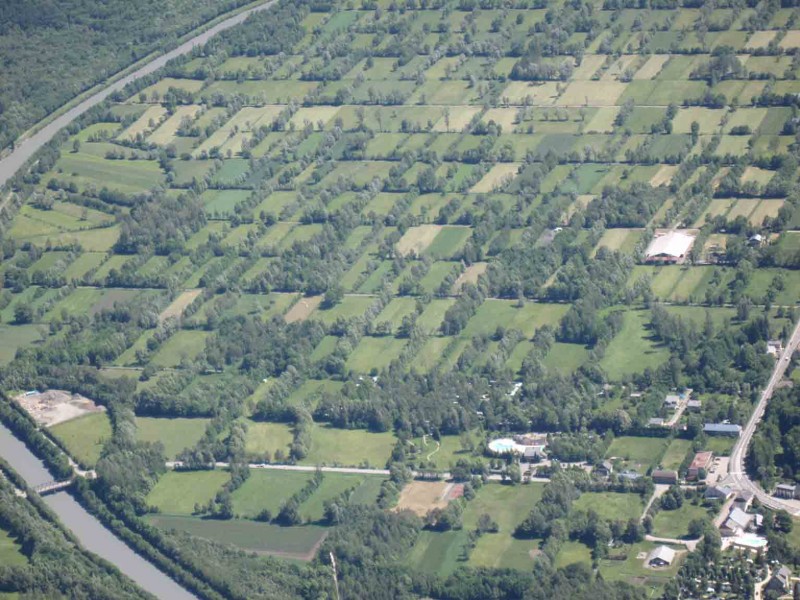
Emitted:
<point x="494" y="313"/>
<point x="349" y="447"/>
<point x="175" y="434"/>
<point x="177" y="493"/>
<point x="84" y="436"/>
<point x="632" y="350"/>
<point x="498" y="176"/>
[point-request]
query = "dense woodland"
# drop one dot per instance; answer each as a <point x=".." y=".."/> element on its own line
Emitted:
<point x="53" y="51"/>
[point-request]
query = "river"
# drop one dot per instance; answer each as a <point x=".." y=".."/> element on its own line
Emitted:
<point x="92" y="534"/>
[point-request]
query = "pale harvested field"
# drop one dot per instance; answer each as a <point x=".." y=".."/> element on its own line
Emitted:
<point x="504" y="117"/>
<point x="314" y="114"/>
<point x="766" y="208"/>
<point x="591" y="93"/>
<point x="760" y="176"/>
<point x="423" y="496"/>
<point x="588" y="66"/>
<point x="790" y="40"/>
<point x="496" y="176"/>
<point x="744" y="207"/>
<point x="707" y="118"/>
<point x="760" y="39"/>
<point x="179" y="304"/>
<point x="470" y="275"/>
<point x="581" y="202"/>
<point x="142" y="125"/>
<point x="539" y="95"/>
<point x="652" y="67"/>
<point x="664" y="175"/>
<point x="416" y="239"/>
<point x="460" y="117"/>
<point x="717" y="206"/>
<point x="302" y="309"/>
<point x="626" y="61"/>
<point x="246" y="120"/>
<point x="164" y="134"/>
<point x="603" y="120"/>
<point x="56" y="406"/>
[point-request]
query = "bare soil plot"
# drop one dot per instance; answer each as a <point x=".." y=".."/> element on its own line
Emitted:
<point x="664" y="175"/>
<point x="56" y="406"/>
<point x="303" y="308"/>
<point x="179" y="304"/>
<point x="470" y="275"/>
<point x="416" y="239"/>
<point x="423" y="496"/>
<point x="652" y="67"/>
<point x="498" y="175"/>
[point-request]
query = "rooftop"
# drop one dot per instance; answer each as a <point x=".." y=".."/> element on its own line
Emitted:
<point x="673" y="244"/>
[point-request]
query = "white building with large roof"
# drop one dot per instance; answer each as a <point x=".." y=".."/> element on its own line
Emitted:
<point x="670" y="247"/>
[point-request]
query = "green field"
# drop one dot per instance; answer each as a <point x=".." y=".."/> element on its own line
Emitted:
<point x="177" y="493"/>
<point x="288" y="542"/>
<point x="611" y="505"/>
<point x="84" y="437"/>
<point x="349" y="447"/>
<point x="10" y="551"/>
<point x="676" y="452"/>
<point x="639" y="453"/>
<point x="174" y="434"/>
<point x="632" y="570"/>
<point x="267" y="490"/>
<point x="675" y="523"/>
<point x="632" y="350"/>
<point x="267" y="438"/>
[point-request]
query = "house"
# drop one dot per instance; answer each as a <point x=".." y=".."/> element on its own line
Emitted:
<point x="672" y="400"/>
<point x="664" y="477"/>
<point x="780" y="580"/>
<point x="738" y="522"/>
<point x="785" y="490"/>
<point x="604" y="469"/>
<point x="755" y="240"/>
<point x="743" y="500"/>
<point x="728" y="429"/>
<point x="694" y="405"/>
<point x="663" y="556"/>
<point x="774" y="348"/>
<point x="669" y="248"/>
<point x="701" y="462"/>
<point x="656" y="422"/>
<point x="532" y="454"/>
<point x="717" y="492"/>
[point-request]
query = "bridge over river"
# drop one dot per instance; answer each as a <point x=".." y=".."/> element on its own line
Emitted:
<point x="89" y="531"/>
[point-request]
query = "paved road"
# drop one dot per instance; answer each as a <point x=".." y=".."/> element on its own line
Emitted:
<point x="736" y="467"/>
<point x="690" y="544"/>
<point x="28" y="147"/>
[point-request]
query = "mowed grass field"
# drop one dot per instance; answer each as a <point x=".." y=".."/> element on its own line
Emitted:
<point x="10" y="551"/>
<point x="633" y="350"/>
<point x="174" y="434"/>
<point x="639" y="453"/>
<point x="611" y="505"/>
<point x="84" y="437"/>
<point x="349" y="447"/>
<point x="177" y="493"/>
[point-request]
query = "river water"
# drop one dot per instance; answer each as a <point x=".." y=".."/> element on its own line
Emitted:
<point x="92" y="534"/>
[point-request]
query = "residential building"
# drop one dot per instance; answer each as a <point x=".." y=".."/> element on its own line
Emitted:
<point x="672" y="400"/>
<point x="604" y="469"/>
<point x="694" y="405"/>
<point x="775" y="348"/>
<point x="701" y="462"/>
<point x="781" y="580"/>
<point x="717" y="492"/>
<point x="743" y="500"/>
<point x="739" y="522"/>
<point x="785" y="490"/>
<point x="629" y="475"/>
<point x="663" y="556"/>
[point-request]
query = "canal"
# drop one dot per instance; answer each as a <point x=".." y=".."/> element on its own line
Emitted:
<point x="92" y="534"/>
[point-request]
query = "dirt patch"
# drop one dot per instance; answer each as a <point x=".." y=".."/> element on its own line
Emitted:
<point x="423" y="496"/>
<point x="416" y="239"/>
<point x="56" y="406"/>
<point x="302" y="309"/>
<point x="470" y="275"/>
<point x="179" y="304"/>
